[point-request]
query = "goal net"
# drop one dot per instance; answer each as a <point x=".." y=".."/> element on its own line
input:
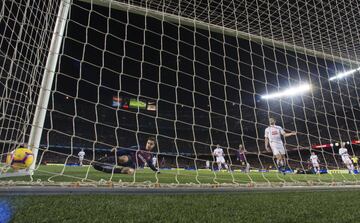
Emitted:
<point x="90" y="76"/>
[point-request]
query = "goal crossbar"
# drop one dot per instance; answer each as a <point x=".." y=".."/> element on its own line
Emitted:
<point x="172" y="18"/>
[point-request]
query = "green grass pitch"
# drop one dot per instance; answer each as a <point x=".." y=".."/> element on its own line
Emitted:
<point x="289" y="206"/>
<point x="338" y="205"/>
<point x="60" y="173"/>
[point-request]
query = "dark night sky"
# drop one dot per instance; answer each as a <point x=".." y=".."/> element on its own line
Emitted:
<point x="210" y="83"/>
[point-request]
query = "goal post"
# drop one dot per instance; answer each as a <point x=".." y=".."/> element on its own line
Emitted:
<point x="83" y="77"/>
<point x="47" y="80"/>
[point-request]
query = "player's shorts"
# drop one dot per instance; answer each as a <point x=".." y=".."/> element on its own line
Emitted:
<point x="277" y="148"/>
<point x="346" y="160"/>
<point x="220" y="160"/>
<point x="131" y="157"/>
<point x="81" y="158"/>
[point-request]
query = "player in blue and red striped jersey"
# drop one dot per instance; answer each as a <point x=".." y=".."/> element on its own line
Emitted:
<point x="126" y="161"/>
<point x="241" y="157"/>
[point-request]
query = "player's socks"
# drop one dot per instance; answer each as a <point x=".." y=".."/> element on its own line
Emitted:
<point x="107" y="168"/>
<point x="283" y="169"/>
<point x="278" y="165"/>
<point x="282" y="163"/>
<point x="106" y="164"/>
<point x="97" y="167"/>
<point x="351" y="170"/>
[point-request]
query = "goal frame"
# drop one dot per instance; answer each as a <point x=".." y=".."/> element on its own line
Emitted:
<point x="57" y="40"/>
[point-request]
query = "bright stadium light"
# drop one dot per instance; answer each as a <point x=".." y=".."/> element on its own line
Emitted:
<point x="344" y="74"/>
<point x="289" y="92"/>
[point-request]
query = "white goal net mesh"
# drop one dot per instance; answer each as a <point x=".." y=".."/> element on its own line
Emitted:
<point x="191" y="74"/>
<point x="25" y="34"/>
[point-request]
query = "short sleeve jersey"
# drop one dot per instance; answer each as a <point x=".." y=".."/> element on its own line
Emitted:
<point x="273" y="133"/>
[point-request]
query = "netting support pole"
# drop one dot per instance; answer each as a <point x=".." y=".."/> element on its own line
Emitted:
<point x="47" y="80"/>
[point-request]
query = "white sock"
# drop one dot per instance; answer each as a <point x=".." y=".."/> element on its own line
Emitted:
<point x="281" y="163"/>
<point x="278" y="163"/>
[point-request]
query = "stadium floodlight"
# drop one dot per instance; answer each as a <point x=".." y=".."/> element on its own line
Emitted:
<point x="289" y="92"/>
<point x="344" y="74"/>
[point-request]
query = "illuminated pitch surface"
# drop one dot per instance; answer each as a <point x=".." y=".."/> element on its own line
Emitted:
<point x="89" y="174"/>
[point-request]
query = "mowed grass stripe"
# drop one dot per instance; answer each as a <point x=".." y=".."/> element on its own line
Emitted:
<point x="287" y="206"/>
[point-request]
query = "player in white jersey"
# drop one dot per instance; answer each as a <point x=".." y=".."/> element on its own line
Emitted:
<point x="81" y="156"/>
<point x="343" y="152"/>
<point x="154" y="161"/>
<point x="315" y="162"/>
<point x="220" y="160"/>
<point x="273" y="135"/>
<point x="207" y="164"/>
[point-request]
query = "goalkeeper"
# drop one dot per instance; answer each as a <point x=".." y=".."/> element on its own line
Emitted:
<point x="126" y="161"/>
